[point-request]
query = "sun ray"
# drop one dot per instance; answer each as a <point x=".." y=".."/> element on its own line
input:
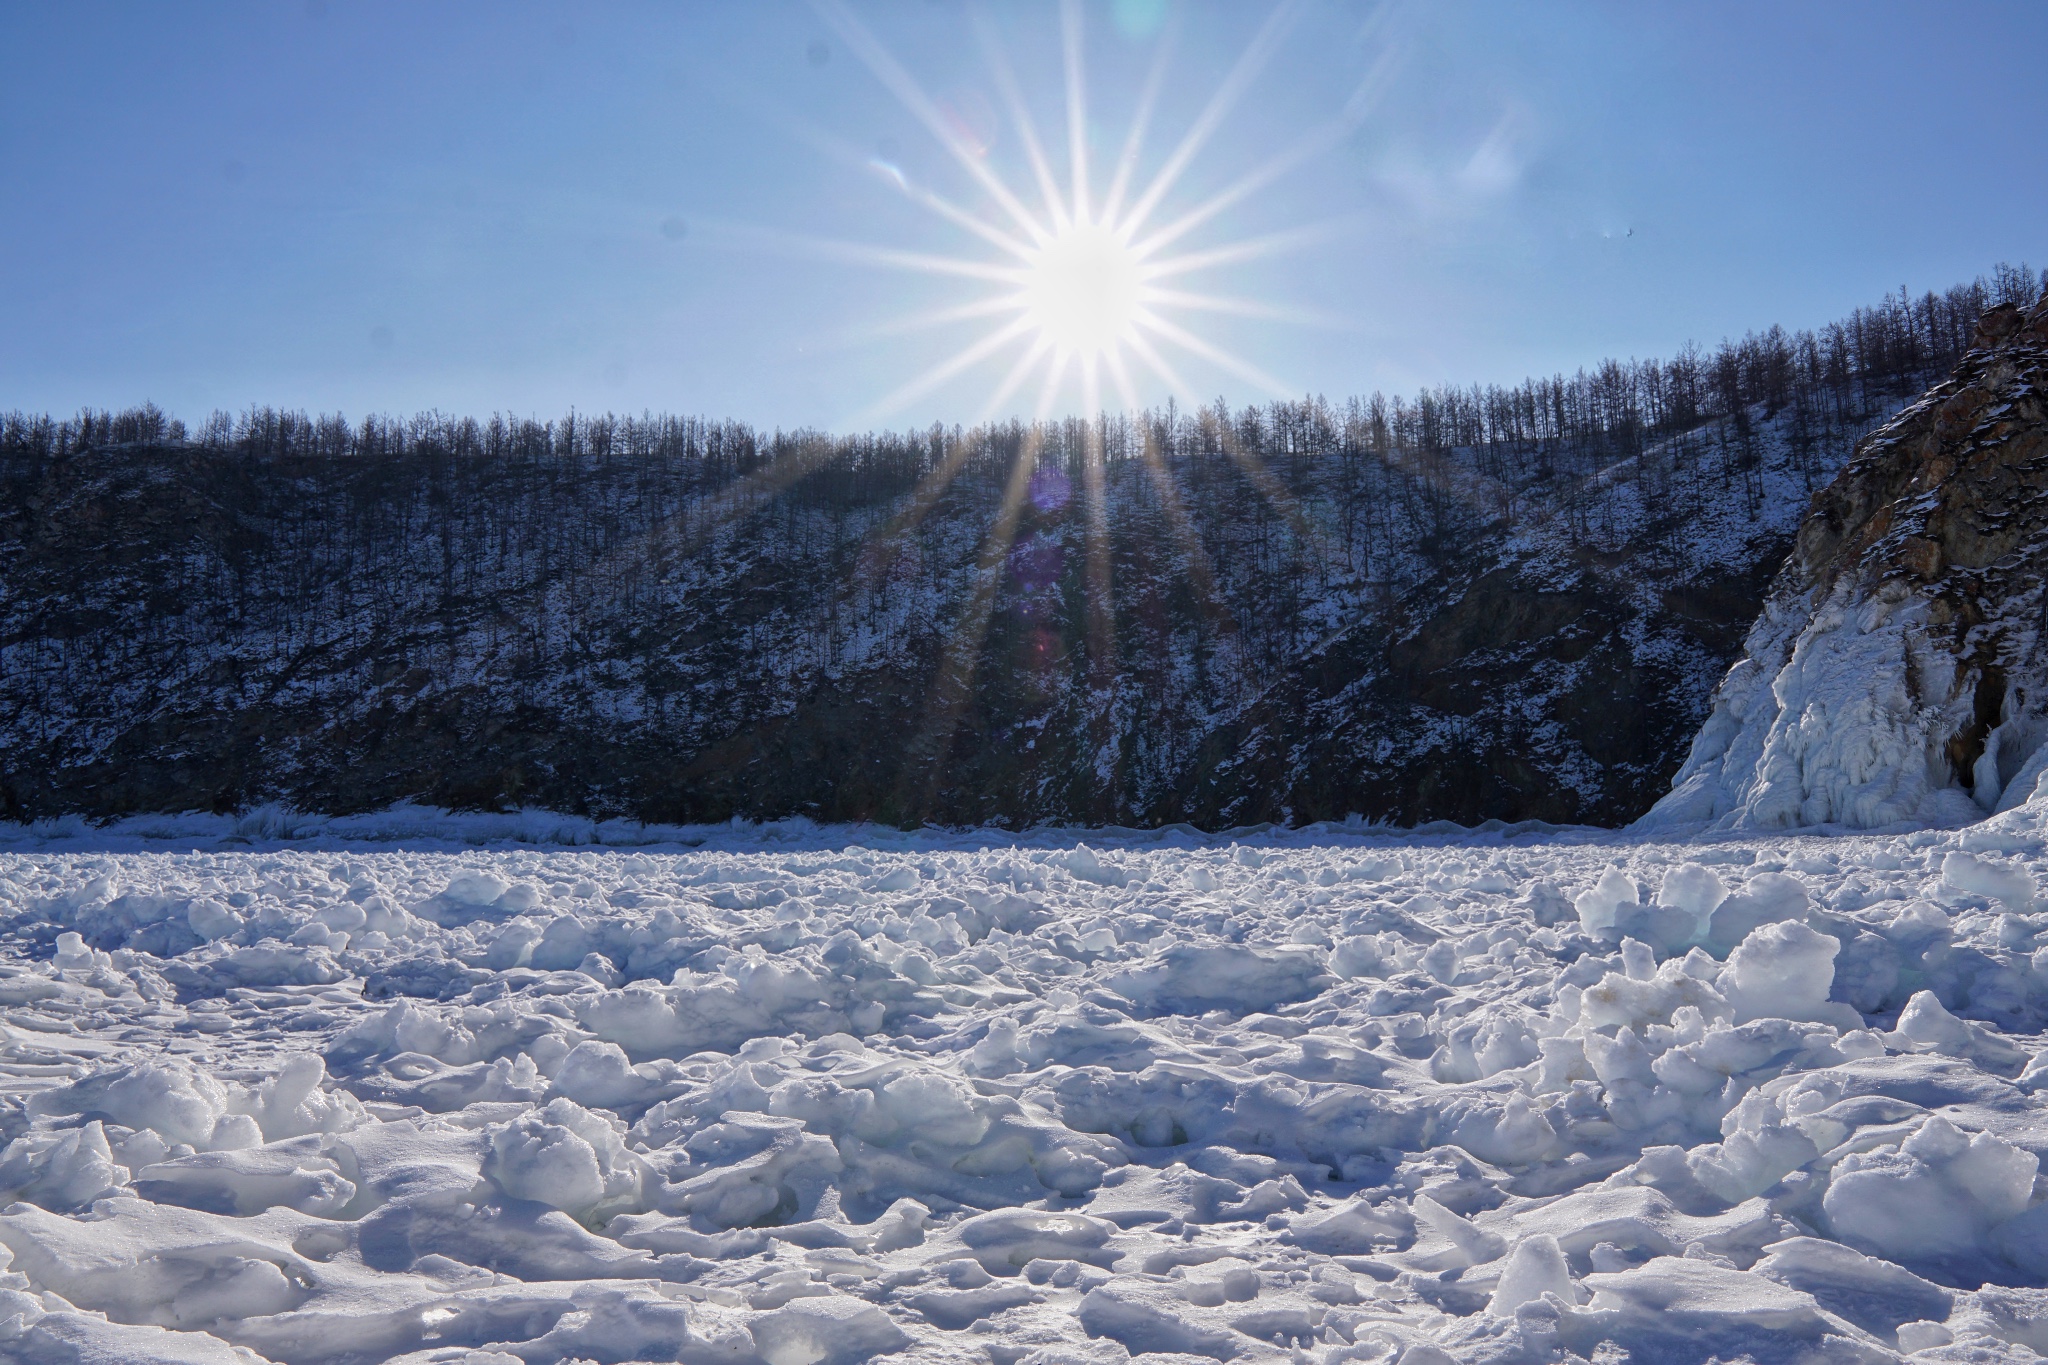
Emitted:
<point x="1242" y="308"/>
<point x="1077" y="109"/>
<point x="842" y="150"/>
<point x="911" y="95"/>
<point x="739" y="499"/>
<point x="1355" y="112"/>
<point x="862" y="253"/>
<point x="885" y="543"/>
<point x="1269" y="486"/>
<point x="1277" y="494"/>
<point x="1099" y="601"/>
<point x="1250" y="249"/>
<point x="1141" y="124"/>
<point x="1014" y="380"/>
<point x="1215" y="355"/>
<point x="1255" y="57"/>
<point x="1027" y="131"/>
<point x="1201" y="572"/>
<point x="932" y="318"/>
<point x="1053" y="375"/>
<point x="946" y="369"/>
<point x="1159" y="365"/>
<point x="960" y="660"/>
<point x="950" y="211"/>
<point x="1120" y="373"/>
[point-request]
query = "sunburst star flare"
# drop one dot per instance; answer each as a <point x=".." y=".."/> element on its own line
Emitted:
<point x="1080" y="276"/>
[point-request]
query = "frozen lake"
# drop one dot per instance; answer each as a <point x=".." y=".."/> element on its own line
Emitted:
<point x="798" y="1094"/>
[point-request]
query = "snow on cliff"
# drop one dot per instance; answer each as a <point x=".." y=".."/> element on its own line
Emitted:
<point x="1896" y="674"/>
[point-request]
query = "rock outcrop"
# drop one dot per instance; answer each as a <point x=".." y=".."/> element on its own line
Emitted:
<point x="1898" y="672"/>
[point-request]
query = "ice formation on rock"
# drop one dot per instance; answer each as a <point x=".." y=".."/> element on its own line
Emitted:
<point x="808" y="1096"/>
<point x="1897" y="672"/>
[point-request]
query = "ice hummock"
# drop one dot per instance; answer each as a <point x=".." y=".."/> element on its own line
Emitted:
<point x="796" y="1094"/>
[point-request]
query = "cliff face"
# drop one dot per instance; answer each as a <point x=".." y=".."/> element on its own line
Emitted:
<point x="1897" y="672"/>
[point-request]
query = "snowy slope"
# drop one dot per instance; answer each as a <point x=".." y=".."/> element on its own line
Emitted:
<point x="1279" y="614"/>
<point x="1896" y="673"/>
<point x="1552" y="668"/>
<point x="403" y="1087"/>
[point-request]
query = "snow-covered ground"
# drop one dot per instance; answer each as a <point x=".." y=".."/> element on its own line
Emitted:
<point x="409" y="1088"/>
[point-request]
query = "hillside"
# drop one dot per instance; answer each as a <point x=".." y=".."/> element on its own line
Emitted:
<point x="1503" y="603"/>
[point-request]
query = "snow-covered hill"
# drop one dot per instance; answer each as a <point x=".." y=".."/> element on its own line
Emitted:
<point x="1286" y="614"/>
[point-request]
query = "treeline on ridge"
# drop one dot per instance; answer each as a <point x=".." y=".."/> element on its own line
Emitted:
<point x="1535" y="431"/>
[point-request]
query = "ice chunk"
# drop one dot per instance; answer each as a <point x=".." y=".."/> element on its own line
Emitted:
<point x="1764" y="899"/>
<point x="1535" y="1267"/>
<point x="1693" y="1294"/>
<point x="1756" y="1152"/>
<point x="1925" y="1026"/>
<point x="1470" y="1243"/>
<point x="598" y="1074"/>
<point x="1005" y="1242"/>
<point x="566" y="1157"/>
<point x="1696" y="891"/>
<point x="295" y="1174"/>
<point x="176" y="1101"/>
<point x="1147" y="1318"/>
<point x="828" y="1330"/>
<point x="476" y="889"/>
<point x="1935" y="1195"/>
<point x="608" y="1326"/>
<point x="1981" y="877"/>
<point x="1784" y="971"/>
<point x="1618" y="999"/>
<point x="29" y="1332"/>
<point x="1599" y="905"/>
<point x="958" y="1308"/>
<point x="1874" y="1294"/>
<point x="294" y="1102"/>
<point x="1191" y="978"/>
<point x="1355" y="1229"/>
<point x="754" y="1161"/>
<point x="1643" y="1220"/>
<point x="62" y="1171"/>
<point x="1923" y="1335"/>
<point x="211" y="920"/>
<point x="1516" y="1134"/>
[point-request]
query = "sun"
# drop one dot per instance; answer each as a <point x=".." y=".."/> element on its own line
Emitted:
<point x="1085" y="281"/>
<point x="1083" y="291"/>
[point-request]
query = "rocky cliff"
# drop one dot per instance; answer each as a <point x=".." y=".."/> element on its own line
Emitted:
<point x="1897" y="672"/>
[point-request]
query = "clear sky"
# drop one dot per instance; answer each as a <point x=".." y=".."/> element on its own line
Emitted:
<point x="333" y="205"/>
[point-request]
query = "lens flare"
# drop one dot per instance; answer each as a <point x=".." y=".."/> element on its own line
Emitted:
<point x="1083" y="275"/>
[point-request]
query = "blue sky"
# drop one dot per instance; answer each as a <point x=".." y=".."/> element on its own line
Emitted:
<point x="528" y="208"/>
